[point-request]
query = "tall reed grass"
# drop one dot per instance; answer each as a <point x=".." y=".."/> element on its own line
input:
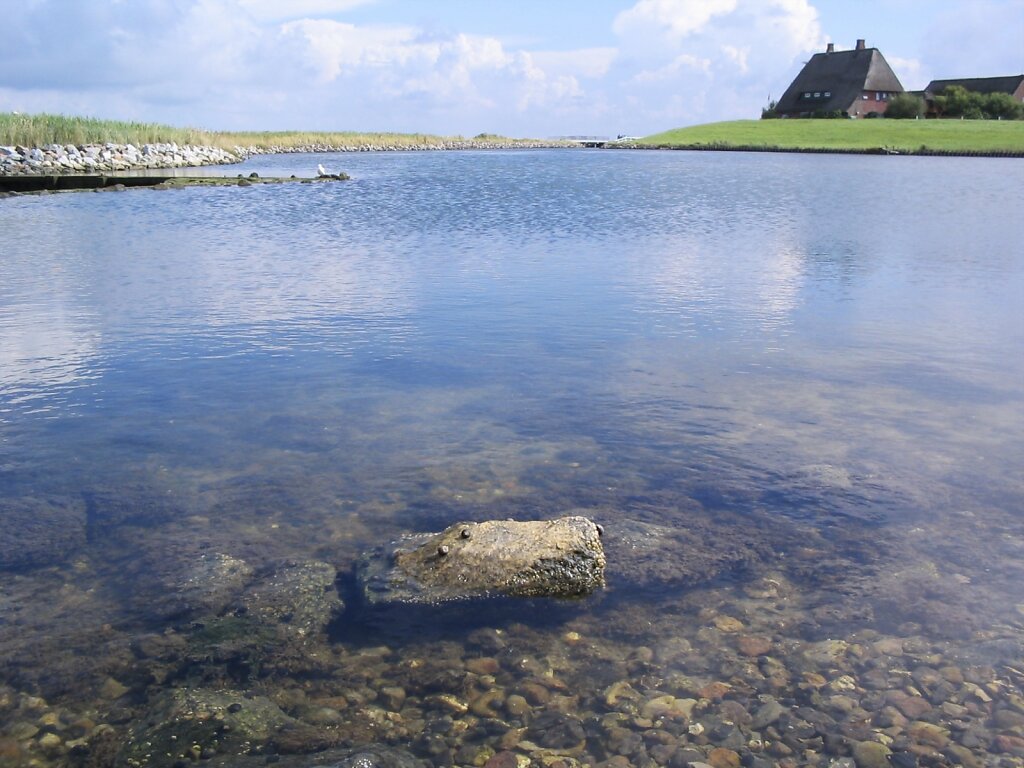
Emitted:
<point x="40" y="130"/>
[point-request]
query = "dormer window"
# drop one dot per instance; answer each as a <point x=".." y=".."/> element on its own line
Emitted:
<point x="807" y="95"/>
<point x="817" y="94"/>
<point x="828" y="94"/>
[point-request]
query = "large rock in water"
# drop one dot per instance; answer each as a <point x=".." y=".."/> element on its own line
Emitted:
<point x="551" y="558"/>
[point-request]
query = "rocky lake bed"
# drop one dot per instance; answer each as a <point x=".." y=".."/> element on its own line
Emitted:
<point x="232" y="657"/>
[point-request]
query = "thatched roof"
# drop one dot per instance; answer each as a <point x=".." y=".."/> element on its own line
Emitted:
<point x="1008" y="84"/>
<point x="844" y="75"/>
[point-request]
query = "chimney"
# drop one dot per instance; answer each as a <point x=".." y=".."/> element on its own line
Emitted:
<point x="860" y="45"/>
<point x="831" y="48"/>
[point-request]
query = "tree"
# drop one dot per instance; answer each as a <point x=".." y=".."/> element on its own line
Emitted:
<point x="1002" y="106"/>
<point x="905" y="106"/>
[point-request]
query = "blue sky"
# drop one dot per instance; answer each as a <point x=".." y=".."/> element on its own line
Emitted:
<point x="527" y="68"/>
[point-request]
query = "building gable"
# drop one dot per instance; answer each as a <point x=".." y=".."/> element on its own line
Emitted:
<point x="837" y="81"/>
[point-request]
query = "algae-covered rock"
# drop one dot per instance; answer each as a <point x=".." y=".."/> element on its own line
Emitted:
<point x="277" y="621"/>
<point x="293" y="599"/>
<point x="39" y="532"/>
<point x="188" y="723"/>
<point x="552" y="558"/>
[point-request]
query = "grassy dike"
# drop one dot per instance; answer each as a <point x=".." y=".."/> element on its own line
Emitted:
<point x="42" y="130"/>
<point x="969" y="137"/>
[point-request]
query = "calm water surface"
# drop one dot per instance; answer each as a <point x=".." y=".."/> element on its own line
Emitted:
<point x="801" y="376"/>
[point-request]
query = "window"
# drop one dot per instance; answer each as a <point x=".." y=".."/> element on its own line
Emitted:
<point x="807" y="95"/>
<point x="878" y="96"/>
<point x="828" y="94"/>
<point x="865" y="97"/>
<point x="817" y="94"/>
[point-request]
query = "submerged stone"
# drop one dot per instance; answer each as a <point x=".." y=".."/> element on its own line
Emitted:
<point x="551" y="558"/>
<point x="295" y="598"/>
<point x="693" y="552"/>
<point x="39" y="532"/>
<point x="184" y="722"/>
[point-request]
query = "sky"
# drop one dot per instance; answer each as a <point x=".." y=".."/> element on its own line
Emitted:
<point x="539" y="68"/>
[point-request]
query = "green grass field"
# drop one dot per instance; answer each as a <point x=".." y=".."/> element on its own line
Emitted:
<point x="40" y="130"/>
<point x="850" y="135"/>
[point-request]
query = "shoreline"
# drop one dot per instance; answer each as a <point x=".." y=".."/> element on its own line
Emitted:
<point x="883" y="151"/>
<point x="71" y="159"/>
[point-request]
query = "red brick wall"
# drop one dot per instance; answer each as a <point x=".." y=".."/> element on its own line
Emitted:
<point x="862" y="107"/>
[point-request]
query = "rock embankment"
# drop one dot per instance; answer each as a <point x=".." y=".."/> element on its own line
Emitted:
<point x="113" y="158"/>
<point x="107" y="158"/>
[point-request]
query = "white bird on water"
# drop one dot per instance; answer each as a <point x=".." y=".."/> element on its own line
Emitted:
<point x="321" y="170"/>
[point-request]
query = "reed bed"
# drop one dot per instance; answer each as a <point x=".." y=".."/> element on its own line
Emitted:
<point x="43" y="129"/>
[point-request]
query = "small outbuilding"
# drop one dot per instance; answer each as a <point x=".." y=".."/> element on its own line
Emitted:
<point x="855" y="83"/>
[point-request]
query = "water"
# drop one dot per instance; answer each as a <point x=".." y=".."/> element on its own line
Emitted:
<point x="808" y="371"/>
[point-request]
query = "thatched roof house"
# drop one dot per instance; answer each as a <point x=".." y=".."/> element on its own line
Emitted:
<point x="856" y="83"/>
<point x="1012" y="84"/>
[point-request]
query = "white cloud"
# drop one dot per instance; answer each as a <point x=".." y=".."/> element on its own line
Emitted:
<point x="263" y="64"/>
<point x="277" y="10"/>
<point x="584" y="62"/>
<point x="684" y="62"/>
<point x="910" y="72"/>
<point x="698" y="62"/>
<point x="676" y="17"/>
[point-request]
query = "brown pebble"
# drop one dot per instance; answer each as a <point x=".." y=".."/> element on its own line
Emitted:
<point x="1009" y="745"/>
<point x="719" y="757"/>
<point x="11" y="751"/>
<point x="929" y="733"/>
<point x="1006" y="719"/>
<point x="502" y="760"/>
<point x="714" y="691"/>
<point x="754" y="646"/>
<point x="535" y="693"/>
<point x="728" y="624"/>
<point x="952" y="674"/>
<point x="510" y="739"/>
<point x="483" y="666"/>
<point x="913" y="706"/>
<point x="516" y="705"/>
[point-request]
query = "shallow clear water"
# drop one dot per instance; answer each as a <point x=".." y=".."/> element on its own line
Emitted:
<point x="809" y="369"/>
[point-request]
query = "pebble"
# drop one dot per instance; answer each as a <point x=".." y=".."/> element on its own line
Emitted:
<point x="754" y="646"/>
<point x="766" y="714"/>
<point x="1006" y="719"/>
<point x="668" y="706"/>
<point x="720" y="757"/>
<point x="451" y="703"/>
<point x="871" y="754"/>
<point x="22" y="731"/>
<point x="913" y="706"/>
<point x="484" y="704"/>
<point x="714" y="690"/>
<point x="483" y="666"/>
<point x="1010" y="745"/>
<point x="728" y="624"/>
<point x="50" y="743"/>
<point x="507" y="760"/>
<point x="929" y="733"/>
